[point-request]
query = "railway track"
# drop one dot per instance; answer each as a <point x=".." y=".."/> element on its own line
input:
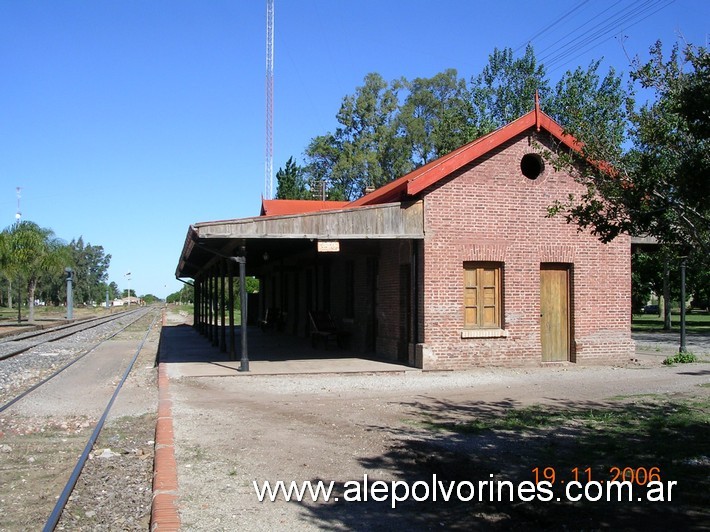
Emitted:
<point x="55" y="335"/>
<point x="49" y="419"/>
<point x="16" y="344"/>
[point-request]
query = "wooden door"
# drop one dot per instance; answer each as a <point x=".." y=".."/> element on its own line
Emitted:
<point x="554" y="313"/>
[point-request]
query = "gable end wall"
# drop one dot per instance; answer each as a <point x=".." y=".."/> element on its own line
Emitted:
<point x="491" y="212"/>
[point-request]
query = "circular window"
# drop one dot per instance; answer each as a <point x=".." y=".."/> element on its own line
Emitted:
<point x="532" y="165"/>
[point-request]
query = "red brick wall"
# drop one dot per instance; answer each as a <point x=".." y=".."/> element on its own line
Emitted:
<point x="491" y="212"/>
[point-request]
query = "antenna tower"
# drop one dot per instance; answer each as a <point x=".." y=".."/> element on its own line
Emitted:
<point x="269" y="169"/>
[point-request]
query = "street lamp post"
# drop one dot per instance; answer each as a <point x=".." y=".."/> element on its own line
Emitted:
<point x="682" y="348"/>
<point x="128" y="280"/>
<point x="242" y="261"/>
<point x="70" y="296"/>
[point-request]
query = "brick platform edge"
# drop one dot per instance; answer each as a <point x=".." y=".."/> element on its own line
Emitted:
<point x="164" y="512"/>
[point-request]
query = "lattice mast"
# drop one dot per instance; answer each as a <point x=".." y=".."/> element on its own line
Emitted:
<point x="269" y="166"/>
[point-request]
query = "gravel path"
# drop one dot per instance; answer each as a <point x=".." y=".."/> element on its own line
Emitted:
<point x="230" y="432"/>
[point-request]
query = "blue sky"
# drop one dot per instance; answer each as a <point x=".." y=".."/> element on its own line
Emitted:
<point x="125" y="121"/>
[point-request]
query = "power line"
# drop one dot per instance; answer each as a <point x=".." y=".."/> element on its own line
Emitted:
<point x="579" y="27"/>
<point x="596" y="35"/>
<point x="597" y="29"/>
<point x="546" y="28"/>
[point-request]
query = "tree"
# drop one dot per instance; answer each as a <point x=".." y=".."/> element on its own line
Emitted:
<point x="113" y="290"/>
<point x="90" y="271"/>
<point x="506" y="88"/>
<point x="381" y="138"/>
<point x="436" y="117"/>
<point x="655" y="271"/>
<point x="659" y="187"/>
<point x="364" y="151"/>
<point x="149" y="299"/>
<point x="185" y="295"/>
<point x="28" y="252"/>
<point x="4" y="264"/>
<point x="291" y="183"/>
<point x="591" y="107"/>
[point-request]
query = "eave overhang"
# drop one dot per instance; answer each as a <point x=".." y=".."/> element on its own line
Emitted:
<point x="207" y="240"/>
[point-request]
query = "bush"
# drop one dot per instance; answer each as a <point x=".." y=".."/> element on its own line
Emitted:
<point x="680" y="358"/>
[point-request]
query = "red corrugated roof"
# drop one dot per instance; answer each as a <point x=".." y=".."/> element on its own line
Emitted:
<point x="429" y="174"/>
<point x="278" y="207"/>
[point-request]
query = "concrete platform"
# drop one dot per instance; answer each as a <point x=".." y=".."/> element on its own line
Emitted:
<point x="186" y="353"/>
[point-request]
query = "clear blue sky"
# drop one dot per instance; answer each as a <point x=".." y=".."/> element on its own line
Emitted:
<point x="125" y="121"/>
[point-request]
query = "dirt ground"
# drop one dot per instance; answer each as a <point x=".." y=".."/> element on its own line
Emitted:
<point x="42" y="436"/>
<point x="230" y="432"/>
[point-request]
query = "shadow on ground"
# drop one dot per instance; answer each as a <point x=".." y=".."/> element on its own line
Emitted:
<point x="479" y="441"/>
<point x="182" y="343"/>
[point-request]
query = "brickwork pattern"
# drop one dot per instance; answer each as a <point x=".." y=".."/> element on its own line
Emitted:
<point x="490" y="211"/>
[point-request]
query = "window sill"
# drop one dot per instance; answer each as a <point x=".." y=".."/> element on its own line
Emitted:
<point x="484" y="333"/>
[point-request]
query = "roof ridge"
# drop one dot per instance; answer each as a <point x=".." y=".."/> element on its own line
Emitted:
<point x="430" y="173"/>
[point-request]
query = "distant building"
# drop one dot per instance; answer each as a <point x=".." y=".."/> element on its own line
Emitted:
<point x="125" y="301"/>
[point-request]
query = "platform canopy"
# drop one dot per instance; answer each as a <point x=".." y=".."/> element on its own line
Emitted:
<point x="273" y="237"/>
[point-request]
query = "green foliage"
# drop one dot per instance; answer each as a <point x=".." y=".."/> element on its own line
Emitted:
<point x="505" y="90"/>
<point x="680" y="358"/>
<point x="387" y="130"/>
<point x="660" y="186"/>
<point x="29" y="251"/>
<point x="185" y="295"/>
<point x="591" y="107"/>
<point x="436" y="117"/>
<point x="648" y="269"/>
<point x="32" y="258"/>
<point x="364" y="150"/>
<point x="90" y="271"/>
<point x="290" y="182"/>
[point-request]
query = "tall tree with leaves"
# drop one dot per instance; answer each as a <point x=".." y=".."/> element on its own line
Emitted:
<point x="436" y="117"/>
<point x="291" y="182"/>
<point x="364" y="150"/>
<point x="592" y="107"/>
<point x="505" y="89"/>
<point x="660" y="187"/>
<point x="31" y="251"/>
<point x="91" y="265"/>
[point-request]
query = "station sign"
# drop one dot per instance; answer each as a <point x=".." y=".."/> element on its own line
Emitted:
<point x="328" y="246"/>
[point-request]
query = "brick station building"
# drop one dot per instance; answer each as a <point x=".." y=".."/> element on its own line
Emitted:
<point x="451" y="266"/>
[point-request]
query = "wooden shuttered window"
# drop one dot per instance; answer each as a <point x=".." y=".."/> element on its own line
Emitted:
<point x="482" y="295"/>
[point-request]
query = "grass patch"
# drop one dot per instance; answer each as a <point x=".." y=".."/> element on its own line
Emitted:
<point x="642" y="434"/>
<point x="181" y="308"/>
<point x="627" y="419"/>
<point x="636" y="396"/>
<point x="697" y="322"/>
